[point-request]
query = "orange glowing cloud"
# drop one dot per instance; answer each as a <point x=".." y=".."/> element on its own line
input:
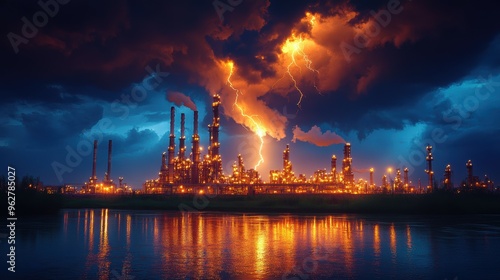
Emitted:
<point x="316" y="137"/>
<point x="309" y="61"/>
<point x="241" y="103"/>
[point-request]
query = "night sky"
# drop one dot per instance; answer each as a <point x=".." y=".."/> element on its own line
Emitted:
<point x="389" y="77"/>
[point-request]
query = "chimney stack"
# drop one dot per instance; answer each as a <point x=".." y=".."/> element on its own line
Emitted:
<point x="429" y="171"/>
<point x="108" y="174"/>
<point x="195" y="150"/>
<point x="171" y="147"/>
<point x="470" y="174"/>
<point x="372" y="183"/>
<point x="182" y="139"/>
<point x="93" y="179"/>
<point x="334" y="168"/>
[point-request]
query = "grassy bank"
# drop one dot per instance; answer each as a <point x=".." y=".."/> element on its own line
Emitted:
<point x="400" y="204"/>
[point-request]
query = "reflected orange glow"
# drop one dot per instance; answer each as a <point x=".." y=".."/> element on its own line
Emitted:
<point x="393" y="240"/>
<point x="408" y="238"/>
<point x="103" y="254"/>
<point x="99" y="259"/>
<point x="65" y="223"/>
<point x="129" y="219"/>
<point x="91" y="230"/>
<point x="200" y="245"/>
<point x="376" y="240"/>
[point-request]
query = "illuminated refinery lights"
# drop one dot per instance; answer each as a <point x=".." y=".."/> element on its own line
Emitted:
<point x="106" y="186"/>
<point x="429" y="171"/>
<point x="204" y="175"/>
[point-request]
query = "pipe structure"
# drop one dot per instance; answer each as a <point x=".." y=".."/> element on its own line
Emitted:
<point x="108" y="173"/>
<point x="195" y="151"/>
<point x="447" y="178"/>
<point x="406" y="178"/>
<point x="429" y="171"/>
<point x="470" y="174"/>
<point x="371" y="177"/>
<point x="347" y="165"/>
<point x="182" y="139"/>
<point x="93" y="179"/>
<point x="215" y="144"/>
<point x="334" y="168"/>
<point x="171" y="147"/>
<point x="163" y="169"/>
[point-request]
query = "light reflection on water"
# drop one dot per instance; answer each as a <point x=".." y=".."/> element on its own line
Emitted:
<point x="114" y="244"/>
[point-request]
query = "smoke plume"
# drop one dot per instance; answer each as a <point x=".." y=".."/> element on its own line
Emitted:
<point x="316" y="137"/>
<point x="180" y="99"/>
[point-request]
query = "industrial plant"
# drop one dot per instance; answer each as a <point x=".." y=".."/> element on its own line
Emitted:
<point x="106" y="186"/>
<point x="180" y="173"/>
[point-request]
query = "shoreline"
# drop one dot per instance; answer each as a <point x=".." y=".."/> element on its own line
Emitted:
<point x="426" y="204"/>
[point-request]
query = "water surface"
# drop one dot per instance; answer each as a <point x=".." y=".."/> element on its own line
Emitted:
<point x="126" y="244"/>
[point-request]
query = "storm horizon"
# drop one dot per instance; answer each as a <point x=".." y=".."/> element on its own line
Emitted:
<point x="389" y="77"/>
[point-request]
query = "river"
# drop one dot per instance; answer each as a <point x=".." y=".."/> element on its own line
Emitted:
<point x="127" y="244"/>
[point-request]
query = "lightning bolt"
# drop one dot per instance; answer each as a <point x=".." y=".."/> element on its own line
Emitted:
<point x="260" y="131"/>
<point x="295" y="46"/>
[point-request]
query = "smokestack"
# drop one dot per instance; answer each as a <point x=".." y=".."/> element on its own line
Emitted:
<point x="195" y="124"/>
<point x="172" y="120"/>
<point x="215" y="125"/>
<point x="429" y="171"/>
<point x="210" y="141"/>
<point x="94" y="163"/>
<point x="447" y="178"/>
<point x="108" y="174"/>
<point x="215" y="145"/>
<point x="347" y="165"/>
<point x="470" y="174"/>
<point x="182" y="139"/>
<point x="406" y="178"/>
<point x="195" y="150"/>
<point x="371" y="177"/>
<point x="334" y="168"/>
<point x="171" y="146"/>
<point x="286" y="157"/>
<point x="163" y="169"/>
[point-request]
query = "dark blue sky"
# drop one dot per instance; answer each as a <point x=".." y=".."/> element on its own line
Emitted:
<point x="389" y="77"/>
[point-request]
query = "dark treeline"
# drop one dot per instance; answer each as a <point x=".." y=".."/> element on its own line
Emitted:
<point x="29" y="195"/>
<point x="27" y="183"/>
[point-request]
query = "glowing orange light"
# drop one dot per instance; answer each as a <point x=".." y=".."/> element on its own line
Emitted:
<point x="260" y="131"/>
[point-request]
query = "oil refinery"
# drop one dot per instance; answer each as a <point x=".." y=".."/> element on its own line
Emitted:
<point x="195" y="173"/>
<point x="107" y="186"/>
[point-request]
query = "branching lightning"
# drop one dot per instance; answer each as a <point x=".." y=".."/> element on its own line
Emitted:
<point x="295" y="47"/>
<point x="260" y="130"/>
